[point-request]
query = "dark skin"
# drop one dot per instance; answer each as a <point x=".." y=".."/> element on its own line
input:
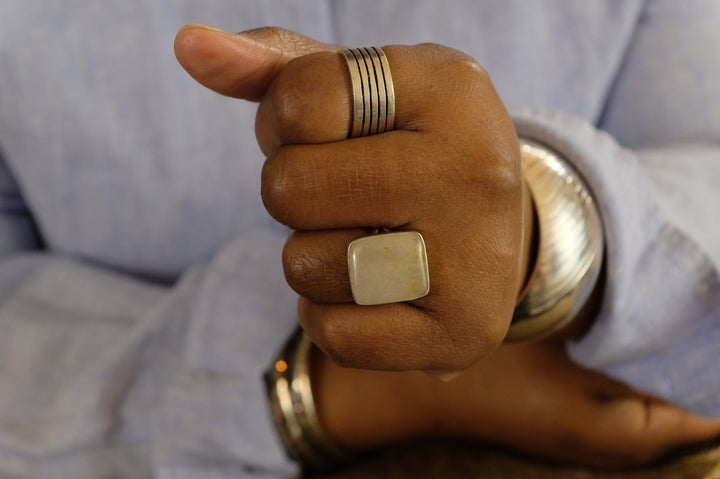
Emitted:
<point x="454" y="176"/>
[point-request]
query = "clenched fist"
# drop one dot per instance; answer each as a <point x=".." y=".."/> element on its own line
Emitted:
<point x="450" y="170"/>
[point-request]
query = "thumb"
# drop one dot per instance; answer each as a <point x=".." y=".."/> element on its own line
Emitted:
<point x="240" y="65"/>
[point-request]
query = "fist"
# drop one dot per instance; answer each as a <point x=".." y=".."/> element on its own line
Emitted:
<point x="450" y="170"/>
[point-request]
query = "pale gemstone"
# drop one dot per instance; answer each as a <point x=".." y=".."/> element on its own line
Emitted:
<point x="388" y="268"/>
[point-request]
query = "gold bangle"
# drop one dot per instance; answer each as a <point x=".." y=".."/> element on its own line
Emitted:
<point x="289" y="392"/>
<point x="570" y="246"/>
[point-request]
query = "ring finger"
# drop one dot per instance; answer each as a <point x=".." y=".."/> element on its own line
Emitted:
<point x="315" y="264"/>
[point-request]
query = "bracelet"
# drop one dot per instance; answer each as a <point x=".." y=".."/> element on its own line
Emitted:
<point x="289" y="392"/>
<point x="570" y="245"/>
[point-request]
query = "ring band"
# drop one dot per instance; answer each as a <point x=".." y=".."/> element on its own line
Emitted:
<point x="373" y="91"/>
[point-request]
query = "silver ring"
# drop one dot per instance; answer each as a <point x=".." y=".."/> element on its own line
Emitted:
<point x="373" y="91"/>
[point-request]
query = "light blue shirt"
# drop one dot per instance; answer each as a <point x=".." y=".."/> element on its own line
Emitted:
<point x="131" y="170"/>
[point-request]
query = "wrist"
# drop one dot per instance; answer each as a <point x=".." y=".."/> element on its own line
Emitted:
<point x="365" y="410"/>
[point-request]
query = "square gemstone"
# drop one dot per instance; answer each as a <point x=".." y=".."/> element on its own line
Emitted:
<point x="388" y="268"/>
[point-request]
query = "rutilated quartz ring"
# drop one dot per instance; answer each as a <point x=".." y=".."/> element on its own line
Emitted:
<point x="387" y="267"/>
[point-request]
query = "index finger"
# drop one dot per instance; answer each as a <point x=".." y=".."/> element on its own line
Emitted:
<point x="311" y="100"/>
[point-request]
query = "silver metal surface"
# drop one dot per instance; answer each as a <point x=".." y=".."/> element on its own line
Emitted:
<point x="373" y="93"/>
<point x="292" y="406"/>
<point x="570" y="249"/>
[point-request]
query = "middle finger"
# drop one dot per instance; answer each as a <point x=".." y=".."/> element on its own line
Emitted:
<point x="348" y="184"/>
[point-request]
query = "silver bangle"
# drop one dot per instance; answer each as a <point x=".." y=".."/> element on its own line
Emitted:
<point x="570" y="246"/>
<point x="289" y="392"/>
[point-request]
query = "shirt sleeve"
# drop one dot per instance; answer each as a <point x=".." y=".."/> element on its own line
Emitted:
<point x="658" y="328"/>
<point x="215" y="421"/>
<point x="103" y="374"/>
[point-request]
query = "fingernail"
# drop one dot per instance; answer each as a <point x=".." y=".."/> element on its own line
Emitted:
<point x="445" y="377"/>
<point x="206" y="27"/>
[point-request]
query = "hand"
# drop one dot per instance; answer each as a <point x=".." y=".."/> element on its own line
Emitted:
<point x="527" y="397"/>
<point x="450" y="170"/>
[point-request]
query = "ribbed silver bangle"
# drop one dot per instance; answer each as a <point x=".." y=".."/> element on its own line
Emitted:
<point x="570" y="246"/>
<point x="289" y="392"/>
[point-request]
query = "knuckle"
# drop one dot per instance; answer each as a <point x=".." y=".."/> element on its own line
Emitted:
<point x="288" y="100"/>
<point x="460" y="345"/>
<point x="468" y="70"/>
<point x="444" y="54"/>
<point x="490" y="335"/>
<point x="483" y="165"/>
<point x="310" y="272"/>
<point x="468" y="76"/>
<point x="299" y="267"/>
<point x="281" y="186"/>
<point x="273" y="188"/>
<point x="497" y="178"/>
<point x="306" y="103"/>
<point x="506" y="166"/>
<point x="495" y="331"/>
<point x="454" y="73"/>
